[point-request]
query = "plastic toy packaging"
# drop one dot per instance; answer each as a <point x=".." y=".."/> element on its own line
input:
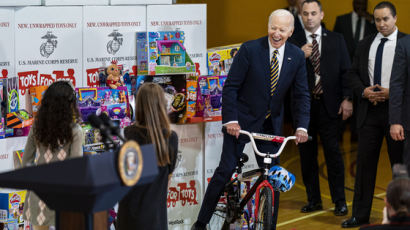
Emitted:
<point x="97" y="100"/>
<point x="162" y="53"/>
<point x="36" y="96"/>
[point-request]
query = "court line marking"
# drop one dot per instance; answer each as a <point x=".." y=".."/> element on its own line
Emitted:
<point x="349" y="204"/>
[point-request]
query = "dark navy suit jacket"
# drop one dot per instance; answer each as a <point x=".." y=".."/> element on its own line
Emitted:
<point x="334" y="64"/>
<point x="246" y="93"/>
<point x="400" y="85"/>
<point x="359" y="76"/>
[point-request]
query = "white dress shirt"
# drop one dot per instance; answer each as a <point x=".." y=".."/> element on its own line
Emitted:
<point x="355" y="17"/>
<point x="387" y="60"/>
<point x="279" y="56"/>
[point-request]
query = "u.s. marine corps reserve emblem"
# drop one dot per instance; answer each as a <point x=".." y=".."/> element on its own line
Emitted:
<point x="115" y="44"/>
<point x="47" y="48"/>
<point x="130" y="163"/>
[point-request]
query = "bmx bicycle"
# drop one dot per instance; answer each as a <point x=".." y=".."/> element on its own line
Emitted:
<point x="231" y="204"/>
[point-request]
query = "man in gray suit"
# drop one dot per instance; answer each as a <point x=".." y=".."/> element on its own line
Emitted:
<point x="399" y="105"/>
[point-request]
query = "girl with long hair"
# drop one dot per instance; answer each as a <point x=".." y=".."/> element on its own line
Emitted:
<point x="54" y="136"/>
<point x="145" y="206"/>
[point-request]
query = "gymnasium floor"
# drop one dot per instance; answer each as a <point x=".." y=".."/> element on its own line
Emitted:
<point x="290" y="217"/>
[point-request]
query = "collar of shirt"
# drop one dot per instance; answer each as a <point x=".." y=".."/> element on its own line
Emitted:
<point x="318" y="33"/>
<point x="391" y="37"/>
<point x="280" y="54"/>
<point x="355" y="16"/>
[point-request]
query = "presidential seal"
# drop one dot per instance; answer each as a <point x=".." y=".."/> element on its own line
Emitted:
<point x="130" y="163"/>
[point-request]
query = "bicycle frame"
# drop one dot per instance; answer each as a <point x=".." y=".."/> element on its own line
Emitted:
<point x="262" y="180"/>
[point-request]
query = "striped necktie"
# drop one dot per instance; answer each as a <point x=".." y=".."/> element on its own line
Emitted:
<point x="274" y="76"/>
<point x="315" y="59"/>
<point x="274" y="72"/>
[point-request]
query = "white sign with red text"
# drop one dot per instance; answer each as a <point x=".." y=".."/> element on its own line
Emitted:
<point x="213" y="150"/>
<point x="110" y="34"/>
<point x="7" y="67"/>
<point x="185" y="191"/>
<point x="48" y="46"/>
<point x="190" y="18"/>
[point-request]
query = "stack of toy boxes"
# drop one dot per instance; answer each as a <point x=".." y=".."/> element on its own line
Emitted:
<point x="220" y="59"/>
<point x="162" y="53"/>
<point x="11" y="208"/>
<point x="3" y="108"/>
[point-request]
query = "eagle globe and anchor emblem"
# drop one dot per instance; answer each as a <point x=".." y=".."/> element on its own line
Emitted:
<point x="115" y="44"/>
<point x="47" y="48"/>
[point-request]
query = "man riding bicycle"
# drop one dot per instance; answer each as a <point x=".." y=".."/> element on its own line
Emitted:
<point x="262" y="73"/>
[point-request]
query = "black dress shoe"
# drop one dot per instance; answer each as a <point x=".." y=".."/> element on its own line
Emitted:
<point x="340" y="209"/>
<point x="310" y="207"/>
<point x="352" y="223"/>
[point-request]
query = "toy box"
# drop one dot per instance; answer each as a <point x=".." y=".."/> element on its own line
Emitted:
<point x="36" y="94"/>
<point x="19" y="119"/>
<point x="220" y="59"/>
<point x="12" y="95"/>
<point x="97" y="100"/>
<point x="161" y="53"/>
<point x="210" y="97"/>
<point x="11" y="206"/>
<point x="180" y="93"/>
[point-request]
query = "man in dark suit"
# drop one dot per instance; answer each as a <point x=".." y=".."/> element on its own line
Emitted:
<point x="253" y="98"/>
<point x="369" y="78"/>
<point x="356" y="25"/>
<point x="299" y="28"/>
<point x="327" y="61"/>
<point x="399" y="103"/>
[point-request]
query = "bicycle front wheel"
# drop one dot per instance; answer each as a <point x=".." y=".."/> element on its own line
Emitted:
<point x="218" y="219"/>
<point x="264" y="221"/>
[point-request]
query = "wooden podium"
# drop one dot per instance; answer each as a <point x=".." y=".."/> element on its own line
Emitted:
<point x="80" y="190"/>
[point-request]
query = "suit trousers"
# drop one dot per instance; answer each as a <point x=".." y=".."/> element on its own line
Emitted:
<point x="371" y="134"/>
<point x="327" y="128"/>
<point x="232" y="150"/>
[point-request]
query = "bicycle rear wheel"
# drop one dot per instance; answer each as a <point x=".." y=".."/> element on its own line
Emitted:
<point x="218" y="219"/>
<point x="264" y="221"/>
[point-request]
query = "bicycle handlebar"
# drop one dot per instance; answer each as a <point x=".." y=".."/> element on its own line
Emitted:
<point x="267" y="137"/>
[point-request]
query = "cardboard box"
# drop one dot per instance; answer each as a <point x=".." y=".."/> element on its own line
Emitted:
<point x="48" y="47"/>
<point x="140" y="2"/>
<point x="74" y="2"/>
<point x="11" y="206"/>
<point x="108" y="35"/>
<point x="20" y="2"/>
<point x="190" y="18"/>
<point x="220" y="59"/>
